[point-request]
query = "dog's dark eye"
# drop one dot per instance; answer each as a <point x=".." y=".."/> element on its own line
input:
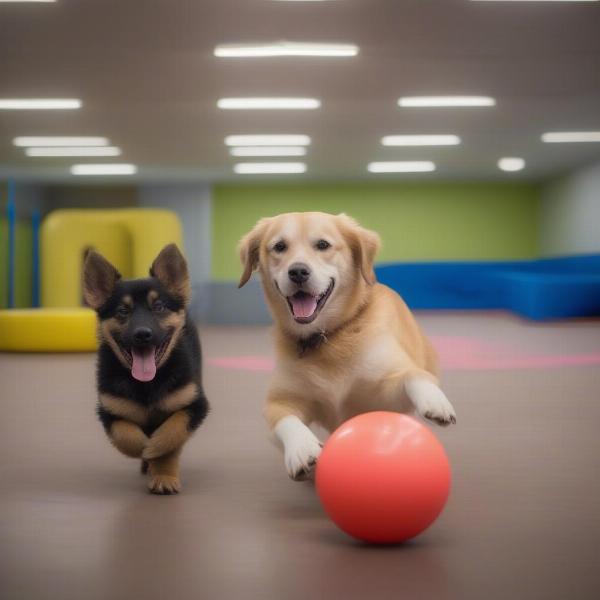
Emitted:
<point x="322" y="245"/>
<point x="280" y="247"/>
<point x="158" y="306"/>
<point x="123" y="311"/>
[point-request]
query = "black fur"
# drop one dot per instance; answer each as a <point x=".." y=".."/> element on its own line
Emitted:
<point x="182" y="367"/>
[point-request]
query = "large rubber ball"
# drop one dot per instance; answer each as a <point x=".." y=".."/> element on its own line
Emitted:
<point x="383" y="477"/>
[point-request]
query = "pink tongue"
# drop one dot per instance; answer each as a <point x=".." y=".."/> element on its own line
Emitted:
<point x="143" y="367"/>
<point x="303" y="306"/>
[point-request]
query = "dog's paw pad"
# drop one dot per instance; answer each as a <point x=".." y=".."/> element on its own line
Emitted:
<point x="301" y="462"/>
<point x="430" y="402"/>
<point x="164" y="484"/>
<point x="441" y="420"/>
<point x="301" y="475"/>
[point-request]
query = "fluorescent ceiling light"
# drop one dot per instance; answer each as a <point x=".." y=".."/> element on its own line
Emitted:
<point x="557" y="137"/>
<point x="511" y="164"/>
<point x="267" y="140"/>
<point x="60" y="141"/>
<point x="262" y="168"/>
<point x="27" y="0"/>
<point x="39" y="103"/>
<point x="268" y="103"/>
<point x="74" y="151"/>
<point x="268" y="151"/>
<point x="445" y="101"/>
<point x="420" y="140"/>
<point x="407" y="166"/>
<point x="105" y="169"/>
<point x="284" y="49"/>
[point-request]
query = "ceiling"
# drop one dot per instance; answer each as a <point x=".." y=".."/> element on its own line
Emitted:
<point x="148" y="79"/>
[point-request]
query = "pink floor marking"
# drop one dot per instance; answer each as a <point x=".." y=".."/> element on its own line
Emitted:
<point x="243" y="363"/>
<point x="457" y="353"/>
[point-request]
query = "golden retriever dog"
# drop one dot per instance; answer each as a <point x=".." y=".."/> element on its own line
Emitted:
<point x="345" y="344"/>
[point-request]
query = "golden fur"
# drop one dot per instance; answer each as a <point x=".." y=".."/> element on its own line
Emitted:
<point x="124" y="409"/>
<point x="161" y="451"/>
<point x="128" y="438"/>
<point x="368" y="340"/>
<point x="141" y="415"/>
<point x="106" y="331"/>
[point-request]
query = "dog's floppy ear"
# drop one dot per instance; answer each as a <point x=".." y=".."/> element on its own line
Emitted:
<point x="249" y="249"/>
<point x="99" y="279"/>
<point x="364" y="244"/>
<point x="170" y="268"/>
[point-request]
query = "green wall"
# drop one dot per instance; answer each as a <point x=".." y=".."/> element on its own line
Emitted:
<point x="23" y="261"/>
<point x="23" y="266"/>
<point x="416" y="221"/>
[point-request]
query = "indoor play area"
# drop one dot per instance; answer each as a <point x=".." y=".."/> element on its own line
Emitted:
<point x="275" y="175"/>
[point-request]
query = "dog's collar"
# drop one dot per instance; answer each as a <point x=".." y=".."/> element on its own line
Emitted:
<point x="316" y="340"/>
<point x="311" y="343"/>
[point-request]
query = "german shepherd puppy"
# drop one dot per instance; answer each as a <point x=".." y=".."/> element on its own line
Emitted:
<point x="150" y="396"/>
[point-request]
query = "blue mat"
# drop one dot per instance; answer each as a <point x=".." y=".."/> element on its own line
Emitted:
<point x="550" y="288"/>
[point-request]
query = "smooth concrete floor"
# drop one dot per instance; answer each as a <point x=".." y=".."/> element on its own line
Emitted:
<point x="523" y="520"/>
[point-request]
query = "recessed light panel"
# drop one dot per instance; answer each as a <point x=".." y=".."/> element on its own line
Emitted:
<point x="39" y="103"/>
<point x="421" y="140"/>
<point x="104" y="169"/>
<point x="74" y="151"/>
<point x="565" y="137"/>
<point x="407" y="166"/>
<point x="445" y="101"/>
<point x="268" y="103"/>
<point x="265" y="168"/>
<point x="285" y="49"/>
<point x="511" y="164"/>
<point x="267" y="140"/>
<point x="60" y="141"/>
<point x="268" y="151"/>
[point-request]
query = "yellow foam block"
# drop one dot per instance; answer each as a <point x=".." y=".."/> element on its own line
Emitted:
<point x="130" y="238"/>
<point x="48" y="330"/>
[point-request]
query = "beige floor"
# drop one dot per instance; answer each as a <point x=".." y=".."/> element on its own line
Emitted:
<point x="523" y="521"/>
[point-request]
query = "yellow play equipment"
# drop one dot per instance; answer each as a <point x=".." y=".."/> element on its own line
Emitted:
<point x="130" y="238"/>
<point x="47" y="330"/>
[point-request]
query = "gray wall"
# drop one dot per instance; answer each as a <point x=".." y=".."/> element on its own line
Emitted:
<point x="570" y="214"/>
<point x="90" y="196"/>
<point x="28" y="198"/>
<point x="232" y="306"/>
<point x="193" y="204"/>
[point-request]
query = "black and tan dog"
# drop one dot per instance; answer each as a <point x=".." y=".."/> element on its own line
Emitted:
<point x="149" y="363"/>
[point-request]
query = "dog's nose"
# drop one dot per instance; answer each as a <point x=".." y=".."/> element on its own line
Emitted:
<point x="299" y="273"/>
<point x="142" y="334"/>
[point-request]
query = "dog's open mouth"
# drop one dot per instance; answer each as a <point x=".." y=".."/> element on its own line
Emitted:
<point x="145" y="360"/>
<point x="305" y="307"/>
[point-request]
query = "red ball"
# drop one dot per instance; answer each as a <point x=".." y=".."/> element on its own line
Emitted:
<point x="383" y="477"/>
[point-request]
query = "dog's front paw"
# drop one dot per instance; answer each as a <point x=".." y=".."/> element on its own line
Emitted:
<point x="437" y="408"/>
<point x="154" y="449"/>
<point x="301" y="459"/>
<point x="430" y="402"/>
<point x="164" y="484"/>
